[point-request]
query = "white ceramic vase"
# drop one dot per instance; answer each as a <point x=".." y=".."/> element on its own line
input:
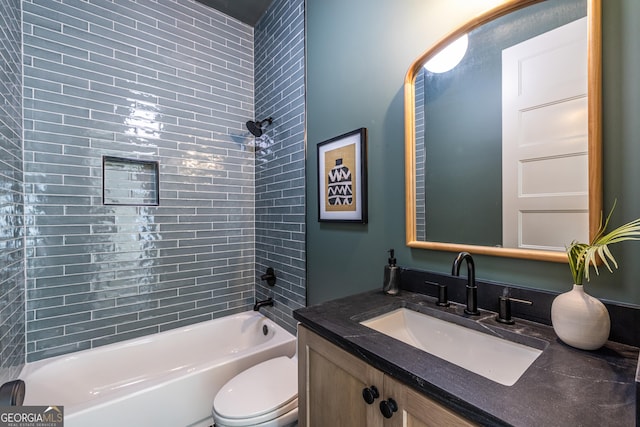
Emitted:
<point x="580" y="320"/>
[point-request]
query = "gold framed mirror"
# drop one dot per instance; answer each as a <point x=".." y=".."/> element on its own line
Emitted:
<point x="518" y="227"/>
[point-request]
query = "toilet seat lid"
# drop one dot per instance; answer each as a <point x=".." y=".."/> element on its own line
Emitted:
<point x="259" y="390"/>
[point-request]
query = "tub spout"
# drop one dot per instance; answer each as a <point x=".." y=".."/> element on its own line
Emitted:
<point x="258" y="304"/>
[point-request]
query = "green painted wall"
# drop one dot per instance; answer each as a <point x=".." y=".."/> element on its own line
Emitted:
<point x="358" y="52"/>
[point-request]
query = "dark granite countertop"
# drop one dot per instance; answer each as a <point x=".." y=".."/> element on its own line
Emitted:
<point x="563" y="387"/>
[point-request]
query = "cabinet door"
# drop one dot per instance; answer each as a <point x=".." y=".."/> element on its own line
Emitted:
<point x="331" y="383"/>
<point x="417" y="410"/>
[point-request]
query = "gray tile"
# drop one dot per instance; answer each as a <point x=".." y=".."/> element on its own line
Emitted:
<point x="98" y="324"/>
<point x="203" y="232"/>
<point x="12" y="278"/>
<point x="73" y="339"/>
<point x="35" y="325"/>
<point x="45" y="44"/>
<point x="149" y="322"/>
<point x="281" y="187"/>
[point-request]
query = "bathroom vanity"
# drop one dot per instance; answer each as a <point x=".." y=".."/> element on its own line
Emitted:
<point x="344" y="365"/>
<point x="342" y="389"/>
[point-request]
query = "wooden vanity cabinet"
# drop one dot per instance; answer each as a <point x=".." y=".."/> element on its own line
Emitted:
<point x="332" y="385"/>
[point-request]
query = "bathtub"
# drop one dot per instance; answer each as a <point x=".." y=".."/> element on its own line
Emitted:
<point x="165" y="379"/>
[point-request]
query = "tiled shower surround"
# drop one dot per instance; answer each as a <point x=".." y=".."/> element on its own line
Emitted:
<point x="167" y="81"/>
<point x="280" y="159"/>
<point x="11" y="195"/>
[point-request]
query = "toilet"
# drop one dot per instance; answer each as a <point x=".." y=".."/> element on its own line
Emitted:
<point x="265" y="395"/>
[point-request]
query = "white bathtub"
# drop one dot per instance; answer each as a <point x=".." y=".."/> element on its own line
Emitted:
<point x="166" y="379"/>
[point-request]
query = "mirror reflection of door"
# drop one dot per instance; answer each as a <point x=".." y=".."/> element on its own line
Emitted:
<point x="545" y="140"/>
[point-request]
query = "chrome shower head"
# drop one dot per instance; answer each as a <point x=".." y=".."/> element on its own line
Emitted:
<point x="256" y="127"/>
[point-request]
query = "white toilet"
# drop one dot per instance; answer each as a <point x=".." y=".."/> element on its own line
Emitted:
<point x="265" y="395"/>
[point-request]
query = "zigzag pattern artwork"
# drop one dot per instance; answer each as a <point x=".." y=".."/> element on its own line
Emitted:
<point x="340" y="188"/>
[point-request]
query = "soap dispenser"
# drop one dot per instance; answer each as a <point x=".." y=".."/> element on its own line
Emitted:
<point x="391" y="285"/>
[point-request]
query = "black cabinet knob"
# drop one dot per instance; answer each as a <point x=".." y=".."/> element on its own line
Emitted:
<point x="369" y="394"/>
<point x="388" y="407"/>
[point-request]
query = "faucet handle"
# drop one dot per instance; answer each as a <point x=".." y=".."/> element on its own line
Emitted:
<point x="504" y="309"/>
<point x="443" y="299"/>
<point x="269" y="276"/>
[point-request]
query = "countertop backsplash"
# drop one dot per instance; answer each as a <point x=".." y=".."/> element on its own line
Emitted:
<point x="622" y="315"/>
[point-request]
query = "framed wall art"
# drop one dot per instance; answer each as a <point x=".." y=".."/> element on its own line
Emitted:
<point x="342" y="178"/>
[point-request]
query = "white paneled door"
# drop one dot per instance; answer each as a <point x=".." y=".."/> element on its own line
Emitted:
<point x="545" y="140"/>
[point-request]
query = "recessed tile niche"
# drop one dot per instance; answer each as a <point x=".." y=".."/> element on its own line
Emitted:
<point x="130" y="182"/>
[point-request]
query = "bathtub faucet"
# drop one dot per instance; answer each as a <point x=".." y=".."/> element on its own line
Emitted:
<point x="258" y="304"/>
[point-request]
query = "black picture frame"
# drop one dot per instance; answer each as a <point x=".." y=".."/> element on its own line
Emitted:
<point x="342" y="178"/>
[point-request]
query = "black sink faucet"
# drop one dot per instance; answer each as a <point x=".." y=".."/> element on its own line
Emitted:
<point x="472" y="289"/>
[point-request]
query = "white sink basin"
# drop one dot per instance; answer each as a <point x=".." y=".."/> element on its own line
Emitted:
<point x="494" y="358"/>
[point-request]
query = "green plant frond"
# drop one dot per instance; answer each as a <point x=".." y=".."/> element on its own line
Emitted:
<point x="590" y="259"/>
<point x="605" y="253"/>
<point x="605" y="224"/>
<point x="582" y="256"/>
<point x="626" y="232"/>
<point x="576" y="254"/>
<point x="600" y="231"/>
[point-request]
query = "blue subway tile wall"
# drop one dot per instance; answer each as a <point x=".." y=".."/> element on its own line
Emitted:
<point x="12" y="253"/>
<point x="280" y="158"/>
<point x="167" y="81"/>
<point x="421" y="219"/>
